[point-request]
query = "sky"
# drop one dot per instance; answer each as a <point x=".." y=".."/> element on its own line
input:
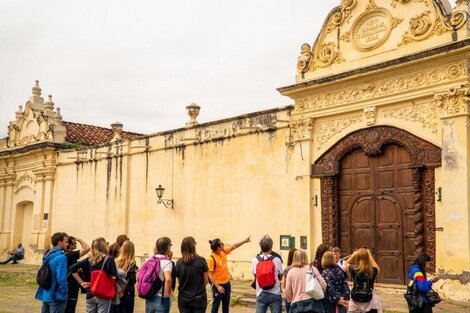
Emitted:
<point x="141" y="62"/>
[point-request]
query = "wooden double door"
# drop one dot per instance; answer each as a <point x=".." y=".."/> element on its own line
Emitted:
<point x="376" y="202"/>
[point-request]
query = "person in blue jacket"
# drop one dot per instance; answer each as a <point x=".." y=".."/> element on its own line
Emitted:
<point x="54" y="299"/>
<point x="417" y="276"/>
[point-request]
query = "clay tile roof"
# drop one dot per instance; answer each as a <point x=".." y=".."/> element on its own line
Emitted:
<point x="91" y="135"/>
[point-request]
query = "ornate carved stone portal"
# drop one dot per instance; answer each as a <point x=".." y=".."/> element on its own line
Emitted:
<point x="377" y="188"/>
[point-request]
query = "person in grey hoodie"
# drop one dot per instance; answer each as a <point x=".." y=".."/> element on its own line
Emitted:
<point x="54" y="299"/>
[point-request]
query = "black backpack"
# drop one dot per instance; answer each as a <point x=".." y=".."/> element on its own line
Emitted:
<point x="44" y="276"/>
<point x="362" y="287"/>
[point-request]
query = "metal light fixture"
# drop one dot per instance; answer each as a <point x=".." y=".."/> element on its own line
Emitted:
<point x="439" y="194"/>
<point x="168" y="203"/>
<point x="315" y="200"/>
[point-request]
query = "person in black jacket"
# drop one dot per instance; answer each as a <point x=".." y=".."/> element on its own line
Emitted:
<point x="72" y="257"/>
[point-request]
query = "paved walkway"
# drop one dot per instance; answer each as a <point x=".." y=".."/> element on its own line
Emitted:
<point x="393" y="301"/>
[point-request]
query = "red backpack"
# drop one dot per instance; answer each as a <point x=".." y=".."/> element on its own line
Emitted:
<point x="265" y="272"/>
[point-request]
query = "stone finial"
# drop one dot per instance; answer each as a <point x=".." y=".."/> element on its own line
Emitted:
<point x="36" y="89"/>
<point x="193" y="112"/>
<point x="49" y="103"/>
<point x="117" y="129"/>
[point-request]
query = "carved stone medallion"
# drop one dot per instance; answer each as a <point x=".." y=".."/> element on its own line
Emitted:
<point x="371" y="29"/>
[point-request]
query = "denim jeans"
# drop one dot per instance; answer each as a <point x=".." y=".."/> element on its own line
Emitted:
<point x="97" y="305"/>
<point x="271" y="300"/>
<point x="53" y="307"/>
<point x="14" y="258"/>
<point x="224" y="297"/>
<point x="157" y="305"/>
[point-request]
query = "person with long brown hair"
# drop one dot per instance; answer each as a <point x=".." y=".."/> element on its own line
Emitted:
<point x="97" y="260"/>
<point x="126" y="264"/>
<point x="192" y="274"/>
<point x="364" y="270"/>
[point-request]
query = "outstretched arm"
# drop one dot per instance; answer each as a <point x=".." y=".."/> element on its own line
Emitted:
<point x="238" y="244"/>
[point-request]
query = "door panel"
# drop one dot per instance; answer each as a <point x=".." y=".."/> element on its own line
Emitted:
<point x="375" y="197"/>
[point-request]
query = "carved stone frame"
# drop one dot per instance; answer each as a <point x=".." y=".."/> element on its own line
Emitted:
<point x="425" y="157"/>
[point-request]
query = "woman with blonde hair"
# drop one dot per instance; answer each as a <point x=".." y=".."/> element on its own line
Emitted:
<point x="192" y="274"/>
<point x="337" y="295"/>
<point x="127" y="268"/>
<point x="364" y="270"/>
<point x="295" y="285"/>
<point x="98" y="259"/>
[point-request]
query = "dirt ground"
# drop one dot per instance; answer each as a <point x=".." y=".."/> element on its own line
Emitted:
<point x="18" y="287"/>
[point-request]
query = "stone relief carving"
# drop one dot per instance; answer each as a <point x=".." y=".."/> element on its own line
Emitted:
<point x="24" y="180"/>
<point x="418" y="210"/>
<point x="433" y="22"/>
<point x="429" y="214"/>
<point x="342" y="14"/>
<point x="425" y="114"/>
<point x="372" y="28"/>
<point x="370" y="113"/>
<point x="371" y="140"/>
<point x="37" y="122"/>
<point x="329" y="211"/>
<point x="303" y="61"/>
<point x="326" y="130"/>
<point x="455" y="102"/>
<point x="300" y="129"/>
<point x="379" y="88"/>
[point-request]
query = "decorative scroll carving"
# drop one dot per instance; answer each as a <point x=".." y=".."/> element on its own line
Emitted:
<point x="325" y="55"/>
<point x="403" y="83"/>
<point x="424" y="114"/>
<point x="430" y="215"/>
<point x="342" y="14"/>
<point x="418" y="211"/>
<point x="24" y="180"/>
<point x="370" y="113"/>
<point x="433" y="22"/>
<point x="326" y="130"/>
<point x="304" y="59"/>
<point x="329" y="211"/>
<point x="455" y="102"/>
<point x="371" y="140"/>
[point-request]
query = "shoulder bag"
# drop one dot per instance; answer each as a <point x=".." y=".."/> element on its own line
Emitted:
<point x="413" y="298"/>
<point x="312" y="286"/>
<point x="102" y="285"/>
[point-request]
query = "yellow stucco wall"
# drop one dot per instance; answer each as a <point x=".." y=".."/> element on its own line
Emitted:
<point x="250" y="175"/>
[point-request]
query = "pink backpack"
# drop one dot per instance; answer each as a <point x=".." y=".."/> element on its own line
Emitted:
<point x="148" y="282"/>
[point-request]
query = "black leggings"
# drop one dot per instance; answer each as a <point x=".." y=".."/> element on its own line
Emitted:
<point x="427" y="308"/>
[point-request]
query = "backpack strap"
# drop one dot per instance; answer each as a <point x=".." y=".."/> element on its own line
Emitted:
<point x="215" y="263"/>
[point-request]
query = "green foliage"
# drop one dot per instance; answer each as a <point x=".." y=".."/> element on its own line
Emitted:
<point x="70" y="145"/>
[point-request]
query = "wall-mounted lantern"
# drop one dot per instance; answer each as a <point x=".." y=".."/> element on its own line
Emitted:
<point x="168" y="203"/>
<point x="439" y="194"/>
<point x="315" y="200"/>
